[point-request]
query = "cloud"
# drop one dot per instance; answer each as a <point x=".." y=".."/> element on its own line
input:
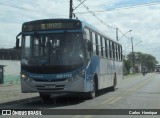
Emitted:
<point x="144" y="21"/>
<point x="8" y="34"/>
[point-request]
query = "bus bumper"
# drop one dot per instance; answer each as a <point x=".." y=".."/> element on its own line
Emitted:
<point x="66" y="86"/>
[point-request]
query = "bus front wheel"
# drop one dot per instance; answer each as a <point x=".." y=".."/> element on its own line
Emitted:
<point x="93" y="92"/>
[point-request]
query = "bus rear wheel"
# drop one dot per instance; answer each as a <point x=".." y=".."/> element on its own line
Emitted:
<point x="113" y="88"/>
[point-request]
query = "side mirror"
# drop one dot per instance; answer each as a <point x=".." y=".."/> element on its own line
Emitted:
<point x="90" y="47"/>
<point x="17" y="41"/>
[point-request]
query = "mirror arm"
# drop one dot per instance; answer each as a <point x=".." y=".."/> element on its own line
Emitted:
<point x="17" y="40"/>
<point x="18" y="35"/>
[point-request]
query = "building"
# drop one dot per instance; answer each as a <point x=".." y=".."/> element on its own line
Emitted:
<point x="157" y="68"/>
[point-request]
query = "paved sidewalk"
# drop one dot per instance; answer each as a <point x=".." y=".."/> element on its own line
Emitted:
<point x="11" y="92"/>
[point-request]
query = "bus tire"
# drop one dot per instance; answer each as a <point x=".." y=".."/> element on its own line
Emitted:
<point x="113" y="88"/>
<point x="92" y="94"/>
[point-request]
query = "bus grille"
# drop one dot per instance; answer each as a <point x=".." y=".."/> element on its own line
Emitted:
<point x="46" y="80"/>
<point x="50" y="87"/>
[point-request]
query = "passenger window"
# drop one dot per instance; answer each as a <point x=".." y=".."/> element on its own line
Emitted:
<point x="94" y="43"/>
<point x="99" y="46"/>
<point x="103" y="47"/>
<point x="110" y="49"/>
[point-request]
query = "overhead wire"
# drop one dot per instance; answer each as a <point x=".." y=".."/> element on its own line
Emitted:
<point x="88" y="11"/>
<point x="94" y="15"/>
<point x="100" y="20"/>
<point x="126" y="7"/>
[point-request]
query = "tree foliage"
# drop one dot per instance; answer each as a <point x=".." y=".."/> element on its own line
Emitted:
<point x="127" y="66"/>
<point x="141" y="59"/>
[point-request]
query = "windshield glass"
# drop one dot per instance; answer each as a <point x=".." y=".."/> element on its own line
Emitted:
<point x="52" y="49"/>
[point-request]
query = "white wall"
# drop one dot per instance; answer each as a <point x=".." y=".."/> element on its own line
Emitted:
<point x="11" y="67"/>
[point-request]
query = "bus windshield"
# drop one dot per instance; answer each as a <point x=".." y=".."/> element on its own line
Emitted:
<point x="58" y="49"/>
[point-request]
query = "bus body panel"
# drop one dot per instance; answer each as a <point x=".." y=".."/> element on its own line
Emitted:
<point x="80" y="79"/>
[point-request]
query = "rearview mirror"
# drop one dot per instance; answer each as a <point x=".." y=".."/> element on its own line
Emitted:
<point x="17" y="43"/>
<point x="18" y="40"/>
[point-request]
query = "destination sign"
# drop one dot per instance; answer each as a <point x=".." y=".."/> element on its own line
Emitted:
<point x="51" y="25"/>
<point x="58" y="26"/>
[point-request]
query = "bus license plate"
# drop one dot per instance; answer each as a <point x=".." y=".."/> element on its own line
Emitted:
<point x="50" y="86"/>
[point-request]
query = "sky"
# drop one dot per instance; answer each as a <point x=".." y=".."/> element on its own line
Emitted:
<point x="140" y="16"/>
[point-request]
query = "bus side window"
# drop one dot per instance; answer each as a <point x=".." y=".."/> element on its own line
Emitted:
<point x="97" y="51"/>
<point x="113" y="50"/>
<point x="110" y="49"/>
<point x="87" y="34"/>
<point x="117" y="52"/>
<point x="107" y="48"/>
<point x="87" y="38"/>
<point x="103" y="47"/>
<point x="94" y="43"/>
<point x="99" y="46"/>
<point x="121" y="53"/>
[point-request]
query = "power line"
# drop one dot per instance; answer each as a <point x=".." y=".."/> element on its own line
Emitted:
<point x="127" y="7"/>
<point x="101" y="21"/>
<point x="94" y="15"/>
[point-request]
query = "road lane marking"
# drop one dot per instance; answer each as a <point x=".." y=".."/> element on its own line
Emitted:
<point x="88" y="116"/>
<point x="82" y="116"/>
<point x="108" y="100"/>
<point x="115" y="100"/>
<point x="77" y="116"/>
<point x="139" y="85"/>
<point x="111" y="100"/>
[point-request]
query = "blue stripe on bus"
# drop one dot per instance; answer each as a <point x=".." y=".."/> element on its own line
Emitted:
<point x="52" y="76"/>
<point x="56" y="31"/>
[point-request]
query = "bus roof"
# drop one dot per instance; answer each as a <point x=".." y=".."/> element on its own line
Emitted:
<point x="84" y="24"/>
<point x="57" y="19"/>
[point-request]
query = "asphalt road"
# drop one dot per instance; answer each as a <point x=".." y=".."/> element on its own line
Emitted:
<point x="135" y="92"/>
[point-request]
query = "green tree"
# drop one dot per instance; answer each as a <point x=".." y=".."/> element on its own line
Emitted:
<point x="142" y="59"/>
<point x="127" y="66"/>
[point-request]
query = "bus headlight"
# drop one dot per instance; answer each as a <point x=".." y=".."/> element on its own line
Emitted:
<point x="73" y="78"/>
<point x="25" y="78"/>
<point x="76" y="77"/>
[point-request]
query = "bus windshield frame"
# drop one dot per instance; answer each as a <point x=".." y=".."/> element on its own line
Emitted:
<point x="45" y="39"/>
<point x="46" y="25"/>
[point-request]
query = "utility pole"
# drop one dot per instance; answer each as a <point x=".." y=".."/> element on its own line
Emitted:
<point x="132" y="54"/>
<point x="71" y="9"/>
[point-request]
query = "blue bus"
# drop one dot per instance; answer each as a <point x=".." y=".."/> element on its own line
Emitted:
<point x="67" y="56"/>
